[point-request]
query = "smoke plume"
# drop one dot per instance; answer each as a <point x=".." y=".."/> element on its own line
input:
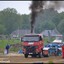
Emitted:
<point x="35" y="7"/>
<point x="38" y="6"/>
<point x="54" y="4"/>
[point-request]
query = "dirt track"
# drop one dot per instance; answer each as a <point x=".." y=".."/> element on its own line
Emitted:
<point x="19" y="58"/>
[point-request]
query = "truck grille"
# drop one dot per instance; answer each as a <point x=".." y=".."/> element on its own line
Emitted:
<point x="30" y="49"/>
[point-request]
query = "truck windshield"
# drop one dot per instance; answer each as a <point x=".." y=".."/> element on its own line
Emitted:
<point x="30" y="38"/>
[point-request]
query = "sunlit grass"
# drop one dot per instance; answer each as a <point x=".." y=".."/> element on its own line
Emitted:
<point x="3" y="43"/>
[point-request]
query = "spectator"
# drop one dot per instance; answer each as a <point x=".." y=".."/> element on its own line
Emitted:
<point x="7" y="48"/>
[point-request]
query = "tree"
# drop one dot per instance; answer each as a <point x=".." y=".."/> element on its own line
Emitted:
<point x="10" y="10"/>
<point x="13" y="21"/>
<point x="44" y="20"/>
<point x="25" y="24"/>
<point x="9" y="18"/>
<point x="2" y="29"/>
<point x="60" y="27"/>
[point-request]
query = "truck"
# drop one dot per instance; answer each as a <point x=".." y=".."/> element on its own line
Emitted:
<point x="32" y="45"/>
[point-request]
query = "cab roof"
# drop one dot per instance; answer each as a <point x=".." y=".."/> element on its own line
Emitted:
<point x="34" y="35"/>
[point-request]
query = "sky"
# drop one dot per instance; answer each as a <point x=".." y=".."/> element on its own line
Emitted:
<point x="22" y="7"/>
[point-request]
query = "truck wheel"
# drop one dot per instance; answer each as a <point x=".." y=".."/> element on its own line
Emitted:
<point x="40" y="55"/>
<point x="45" y="55"/>
<point x="26" y="55"/>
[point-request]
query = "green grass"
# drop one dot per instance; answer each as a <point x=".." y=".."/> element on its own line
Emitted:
<point x="3" y="43"/>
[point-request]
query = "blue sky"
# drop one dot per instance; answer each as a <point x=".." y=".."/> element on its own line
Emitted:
<point x="22" y="7"/>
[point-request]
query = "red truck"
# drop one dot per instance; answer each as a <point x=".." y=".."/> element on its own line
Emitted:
<point x="32" y="45"/>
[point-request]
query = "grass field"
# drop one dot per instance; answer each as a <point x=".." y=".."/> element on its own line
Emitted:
<point x="4" y="42"/>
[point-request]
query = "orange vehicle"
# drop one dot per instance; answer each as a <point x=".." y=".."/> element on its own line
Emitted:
<point x="32" y="45"/>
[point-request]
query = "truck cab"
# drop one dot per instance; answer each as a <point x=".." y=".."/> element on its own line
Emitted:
<point x="32" y="45"/>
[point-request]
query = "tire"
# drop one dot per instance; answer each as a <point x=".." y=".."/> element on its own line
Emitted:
<point x="48" y="55"/>
<point x="26" y="55"/>
<point x="40" y="55"/>
<point x="45" y="55"/>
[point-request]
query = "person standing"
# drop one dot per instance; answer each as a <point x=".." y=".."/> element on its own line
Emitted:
<point x="7" y="48"/>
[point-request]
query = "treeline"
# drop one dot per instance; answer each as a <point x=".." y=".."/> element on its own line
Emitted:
<point x="10" y="20"/>
<point x="48" y="19"/>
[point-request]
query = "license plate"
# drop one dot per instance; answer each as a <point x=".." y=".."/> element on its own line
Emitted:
<point x="30" y="43"/>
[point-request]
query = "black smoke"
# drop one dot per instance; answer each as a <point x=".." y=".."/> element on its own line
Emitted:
<point x="38" y="6"/>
